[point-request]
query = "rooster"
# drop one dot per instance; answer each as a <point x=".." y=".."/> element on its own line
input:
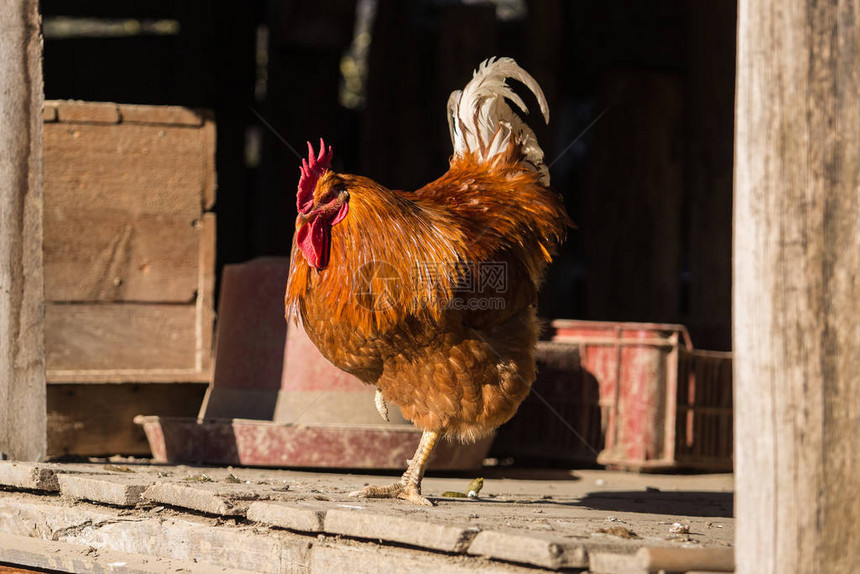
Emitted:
<point x="431" y="295"/>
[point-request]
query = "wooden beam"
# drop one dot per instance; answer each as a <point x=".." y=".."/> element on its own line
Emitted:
<point x="797" y="287"/>
<point x="22" y="355"/>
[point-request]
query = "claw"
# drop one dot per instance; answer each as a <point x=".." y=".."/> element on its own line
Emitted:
<point x="415" y="498"/>
<point x="396" y="490"/>
<point x="390" y="491"/>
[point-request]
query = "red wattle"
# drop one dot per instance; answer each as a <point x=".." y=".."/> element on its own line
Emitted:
<point x="314" y="239"/>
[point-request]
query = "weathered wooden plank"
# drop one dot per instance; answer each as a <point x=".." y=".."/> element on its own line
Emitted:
<point x="97" y="419"/>
<point x="102" y="255"/>
<point x="89" y="112"/>
<point x="95" y="337"/>
<point x="169" y="115"/>
<point x="22" y="354"/>
<point x="51" y="556"/>
<point x="797" y="287"/>
<point x="210" y="181"/>
<point x="49" y="112"/>
<point x="132" y="168"/>
<point x="206" y="295"/>
<point x="158" y="546"/>
<point x="114" y="376"/>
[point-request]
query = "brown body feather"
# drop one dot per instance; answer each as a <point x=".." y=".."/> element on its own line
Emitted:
<point x="388" y="309"/>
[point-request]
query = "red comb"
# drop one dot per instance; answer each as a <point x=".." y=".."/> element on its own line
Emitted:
<point x="312" y="168"/>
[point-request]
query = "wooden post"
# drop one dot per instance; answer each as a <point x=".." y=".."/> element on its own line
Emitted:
<point x="797" y="287"/>
<point x="22" y="356"/>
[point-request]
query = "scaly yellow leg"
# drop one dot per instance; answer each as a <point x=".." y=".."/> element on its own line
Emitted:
<point x="408" y="488"/>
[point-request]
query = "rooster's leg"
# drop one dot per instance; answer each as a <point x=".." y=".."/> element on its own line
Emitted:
<point x="409" y="486"/>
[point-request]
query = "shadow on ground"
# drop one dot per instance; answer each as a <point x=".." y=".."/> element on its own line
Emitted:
<point x="685" y="503"/>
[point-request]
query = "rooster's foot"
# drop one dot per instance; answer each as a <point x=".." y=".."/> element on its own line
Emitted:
<point x="408" y="488"/>
<point x="406" y="492"/>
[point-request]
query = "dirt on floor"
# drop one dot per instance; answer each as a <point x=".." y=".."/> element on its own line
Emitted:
<point x="596" y="510"/>
<point x="688" y="509"/>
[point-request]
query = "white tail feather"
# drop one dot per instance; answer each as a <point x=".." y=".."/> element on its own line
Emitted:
<point x="481" y="121"/>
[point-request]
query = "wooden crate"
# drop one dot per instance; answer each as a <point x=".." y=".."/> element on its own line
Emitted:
<point x="98" y="419"/>
<point x="129" y="243"/>
<point x="704" y="426"/>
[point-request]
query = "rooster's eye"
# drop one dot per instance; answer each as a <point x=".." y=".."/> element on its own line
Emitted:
<point x="328" y="196"/>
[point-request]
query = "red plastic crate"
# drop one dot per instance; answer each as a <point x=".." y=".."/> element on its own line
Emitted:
<point x="635" y="365"/>
<point x="634" y="396"/>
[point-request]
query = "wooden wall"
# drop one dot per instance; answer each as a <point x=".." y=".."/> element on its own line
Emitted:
<point x="129" y="251"/>
<point x="129" y="242"/>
